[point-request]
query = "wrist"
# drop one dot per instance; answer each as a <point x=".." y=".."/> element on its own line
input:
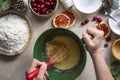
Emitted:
<point x="94" y="53"/>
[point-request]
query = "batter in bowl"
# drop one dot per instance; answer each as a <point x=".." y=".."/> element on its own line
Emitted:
<point x="72" y="46"/>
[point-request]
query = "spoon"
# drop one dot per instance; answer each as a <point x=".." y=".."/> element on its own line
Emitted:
<point x="107" y="14"/>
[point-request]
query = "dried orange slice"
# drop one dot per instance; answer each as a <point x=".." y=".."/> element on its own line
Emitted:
<point x="61" y="21"/>
<point x="71" y="16"/>
<point x="104" y="27"/>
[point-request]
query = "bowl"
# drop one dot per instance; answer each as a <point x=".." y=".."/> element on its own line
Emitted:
<point x="87" y="6"/>
<point x="114" y="26"/>
<point x="40" y="54"/>
<point x="4" y="13"/>
<point x="44" y="8"/>
<point x="116" y="49"/>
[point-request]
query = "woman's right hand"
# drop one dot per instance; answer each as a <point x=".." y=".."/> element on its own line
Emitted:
<point x="93" y="45"/>
<point x="42" y="71"/>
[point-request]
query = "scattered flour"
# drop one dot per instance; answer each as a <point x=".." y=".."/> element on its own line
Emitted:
<point x="14" y="33"/>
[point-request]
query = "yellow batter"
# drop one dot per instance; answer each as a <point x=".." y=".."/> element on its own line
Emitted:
<point x="74" y="52"/>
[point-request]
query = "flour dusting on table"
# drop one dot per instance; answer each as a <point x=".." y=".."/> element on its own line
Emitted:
<point x="14" y="33"/>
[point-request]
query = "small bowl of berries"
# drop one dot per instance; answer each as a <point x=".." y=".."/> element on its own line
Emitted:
<point x="45" y="8"/>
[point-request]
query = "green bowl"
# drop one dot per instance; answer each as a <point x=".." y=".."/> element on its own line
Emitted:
<point x="40" y="54"/>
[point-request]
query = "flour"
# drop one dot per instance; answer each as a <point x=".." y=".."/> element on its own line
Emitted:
<point x="14" y="33"/>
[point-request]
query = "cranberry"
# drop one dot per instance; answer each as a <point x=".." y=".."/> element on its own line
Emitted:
<point x="94" y="18"/>
<point x="47" y="3"/>
<point x="52" y="3"/>
<point x="99" y="27"/>
<point x="35" y="9"/>
<point x="39" y="6"/>
<point x="86" y="21"/>
<point x="42" y="6"/>
<point x="106" y="44"/>
<point x="32" y="1"/>
<point x="108" y="39"/>
<point x="34" y="5"/>
<point x="42" y="1"/>
<point x="99" y="20"/>
<point x="43" y="10"/>
<point x="47" y="12"/>
<point x="83" y="23"/>
<point x="50" y="0"/>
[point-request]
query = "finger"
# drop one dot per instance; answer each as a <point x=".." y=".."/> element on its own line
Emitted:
<point x="87" y="40"/>
<point x="39" y="78"/>
<point x="44" y="77"/>
<point x="42" y="70"/>
<point x="34" y="65"/>
<point x="46" y="73"/>
<point x="37" y="62"/>
<point x="93" y="31"/>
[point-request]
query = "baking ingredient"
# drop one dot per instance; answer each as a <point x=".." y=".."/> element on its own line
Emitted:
<point x="106" y="44"/>
<point x="71" y="45"/>
<point x="61" y="21"/>
<point x="94" y="18"/>
<point x="43" y="6"/>
<point x="108" y="39"/>
<point x="84" y="22"/>
<point x="14" y="33"/>
<point x="71" y="15"/>
<point x="99" y="19"/>
<point x="104" y="27"/>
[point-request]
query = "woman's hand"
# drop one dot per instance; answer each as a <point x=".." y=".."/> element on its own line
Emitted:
<point x="43" y="66"/>
<point x="93" y="45"/>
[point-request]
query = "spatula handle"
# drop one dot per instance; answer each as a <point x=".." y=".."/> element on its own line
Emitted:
<point x="33" y="74"/>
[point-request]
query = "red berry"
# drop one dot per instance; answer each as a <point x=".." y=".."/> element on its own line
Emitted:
<point x="47" y="3"/>
<point x="34" y="5"/>
<point x="42" y="6"/>
<point x="99" y="20"/>
<point x="33" y="1"/>
<point x="42" y="1"/>
<point x="39" y="6"/>
<point x="35" y="9"/>
<point x="106" y="44"/>
<point x="86" y="21"/>
<point x="94" y="18"/>
<point x="99" y="27"/>
<point x="108" y="39"/>
<point x="83" y="23"/>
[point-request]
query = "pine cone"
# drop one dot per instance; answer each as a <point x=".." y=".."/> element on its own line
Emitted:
<point x="19" y="5"/>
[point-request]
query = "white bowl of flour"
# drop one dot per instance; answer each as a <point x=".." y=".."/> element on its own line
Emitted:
<point x="15" y="33"/>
